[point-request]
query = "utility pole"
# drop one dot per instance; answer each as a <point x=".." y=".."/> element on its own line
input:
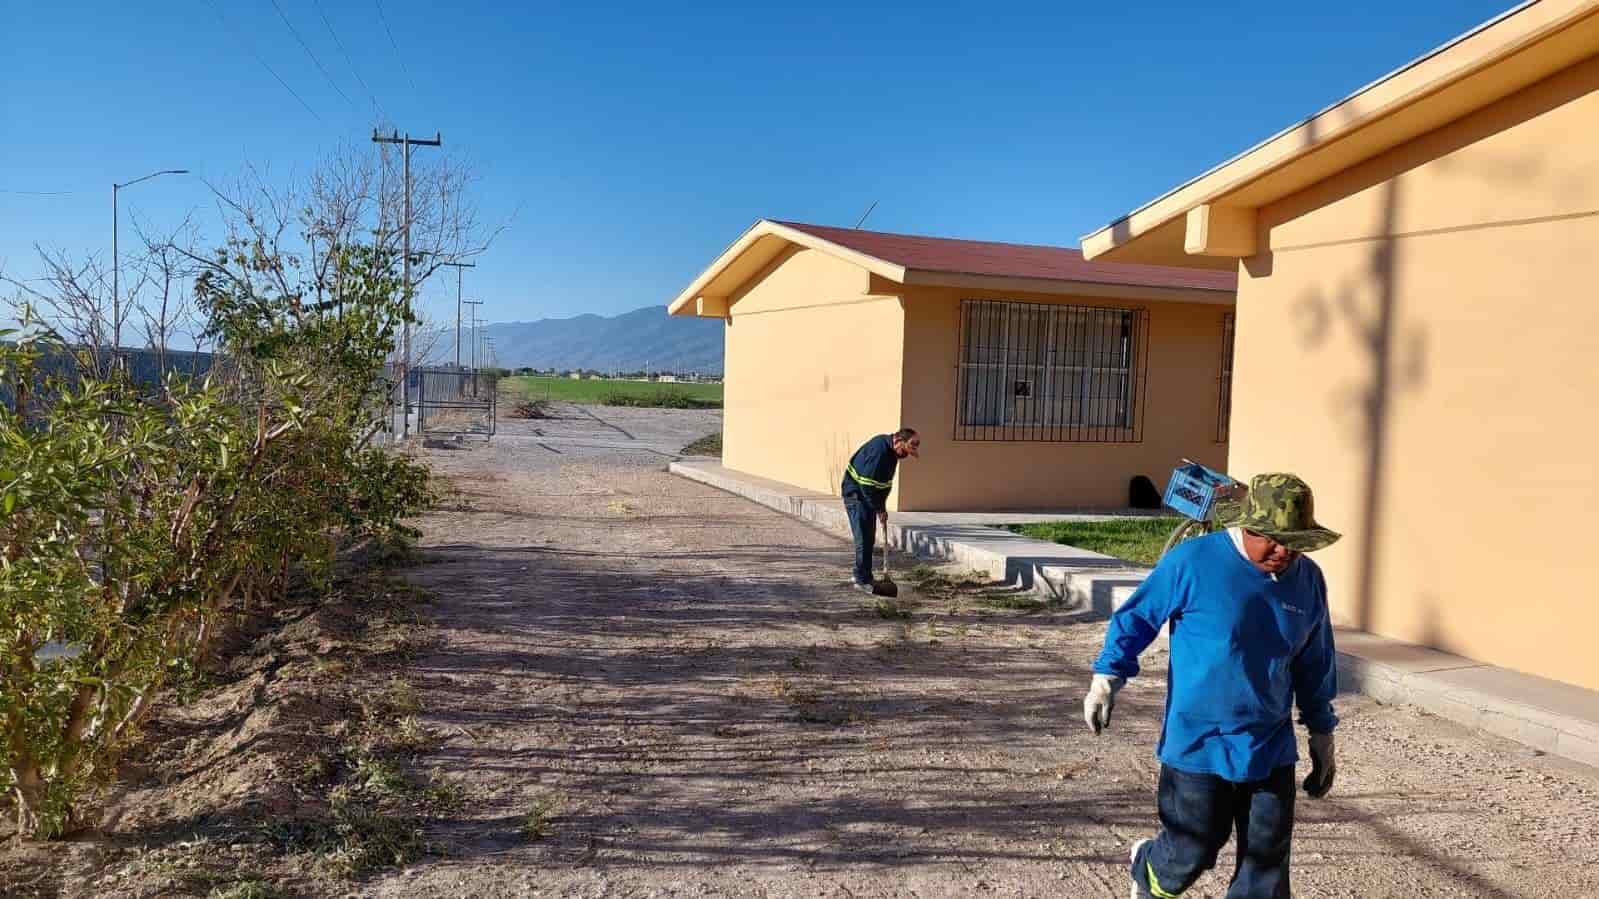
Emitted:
<point x="488" y="351"/>
<point x="474" y="304"/>
<point x="458" y="267"/>
<point x="407" y="142"/>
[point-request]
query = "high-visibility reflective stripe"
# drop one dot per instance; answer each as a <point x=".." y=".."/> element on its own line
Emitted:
<point x="1154" y="883"/>
<point x="865" y="481"/>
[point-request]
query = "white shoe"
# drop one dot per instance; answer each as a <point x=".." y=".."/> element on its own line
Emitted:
<point x="864" y="588"/>
<point x="1131" y="858"/>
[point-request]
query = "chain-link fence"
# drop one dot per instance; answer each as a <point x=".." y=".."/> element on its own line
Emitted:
<point x="454" y="401"/>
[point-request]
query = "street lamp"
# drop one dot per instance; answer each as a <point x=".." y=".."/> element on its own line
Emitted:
<point x="116" y="260"/>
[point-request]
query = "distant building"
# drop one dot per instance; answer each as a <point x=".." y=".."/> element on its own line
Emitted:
<point x="1038" y="380"/>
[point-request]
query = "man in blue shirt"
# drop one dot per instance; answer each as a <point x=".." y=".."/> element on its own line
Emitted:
<point x="868" y="478"/>
<point x="1250" y="637"/>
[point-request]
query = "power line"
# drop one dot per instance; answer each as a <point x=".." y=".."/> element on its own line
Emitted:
<point x="351" y="63"/>
<point x="397" y="54"/>
<point x="251" y="49"/>
<point x="307" y="48"/>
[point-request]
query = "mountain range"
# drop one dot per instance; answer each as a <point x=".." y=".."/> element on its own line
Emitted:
<point x="643" y="338"/>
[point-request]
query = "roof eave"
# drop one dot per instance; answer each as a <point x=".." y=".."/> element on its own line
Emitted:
<point x="694" y="301"/>
<point x="1068" y="287"/>
<point x="1469" y="56"/>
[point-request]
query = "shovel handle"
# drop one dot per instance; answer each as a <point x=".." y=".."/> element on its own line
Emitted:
<point x="885" y="552"/>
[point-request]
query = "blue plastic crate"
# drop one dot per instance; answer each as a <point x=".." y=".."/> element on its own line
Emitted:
<point x="1192" y="490"/>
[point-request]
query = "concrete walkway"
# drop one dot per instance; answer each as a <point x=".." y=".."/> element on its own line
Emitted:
<point x="1546" y="715"/>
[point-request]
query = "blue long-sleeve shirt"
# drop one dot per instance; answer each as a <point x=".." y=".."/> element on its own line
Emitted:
<point x="1244" y="647"/>
<point x="870" y="473"/>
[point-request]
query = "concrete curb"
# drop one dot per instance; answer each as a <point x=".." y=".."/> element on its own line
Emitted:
<point x="1077" y="578"/>
<point x="1546" y="715"/>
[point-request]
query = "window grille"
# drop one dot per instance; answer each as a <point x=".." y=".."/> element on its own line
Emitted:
<point x="1040" y="372"/>
<point x="1224" y="399"/>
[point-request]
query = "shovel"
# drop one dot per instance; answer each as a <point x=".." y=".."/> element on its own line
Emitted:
<point x="885" y="585"/>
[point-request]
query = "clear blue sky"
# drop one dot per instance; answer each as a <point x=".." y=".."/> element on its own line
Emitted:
<point x="638" y="141"/>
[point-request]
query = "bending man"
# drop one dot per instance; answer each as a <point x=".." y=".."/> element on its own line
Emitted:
<point x="867" y="481"/>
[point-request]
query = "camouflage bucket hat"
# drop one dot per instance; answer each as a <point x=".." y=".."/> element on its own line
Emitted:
<point x="1281" y="507"/>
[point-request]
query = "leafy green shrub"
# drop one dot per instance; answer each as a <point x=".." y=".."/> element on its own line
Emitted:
<point x="133" y="522"/>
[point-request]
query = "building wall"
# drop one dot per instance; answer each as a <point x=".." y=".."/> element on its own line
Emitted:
<point x="1420" y="343"/>
<point x="813" y="367"/>
<point x="1179" y="418"/>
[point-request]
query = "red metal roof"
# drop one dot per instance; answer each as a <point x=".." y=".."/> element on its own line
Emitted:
<point x="1013" y="260"/>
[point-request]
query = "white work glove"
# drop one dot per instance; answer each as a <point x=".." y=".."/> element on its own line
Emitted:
<point x="1101" y="699"/>
<point x="1323" y="766"/>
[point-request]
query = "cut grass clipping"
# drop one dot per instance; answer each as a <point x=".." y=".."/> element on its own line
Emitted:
<point x="1137" y="540"/>
<point x="973" y="587"/>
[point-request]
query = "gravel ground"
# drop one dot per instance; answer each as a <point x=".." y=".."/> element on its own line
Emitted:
<point x="651" y="688"/>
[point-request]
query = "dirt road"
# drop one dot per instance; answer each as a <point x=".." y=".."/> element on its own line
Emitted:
<point x="650" y="688"/>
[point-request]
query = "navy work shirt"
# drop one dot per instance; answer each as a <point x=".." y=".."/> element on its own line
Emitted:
<point x="870" y="474"/>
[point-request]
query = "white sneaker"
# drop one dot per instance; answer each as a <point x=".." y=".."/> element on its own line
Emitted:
<point x="864" y="588"/>
<point x="1133" y="857"/>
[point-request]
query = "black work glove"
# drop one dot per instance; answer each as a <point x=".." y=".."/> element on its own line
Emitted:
<point x="1323" y="766"/>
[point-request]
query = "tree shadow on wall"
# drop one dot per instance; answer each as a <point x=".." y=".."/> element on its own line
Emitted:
<point x="1394" y="354"/>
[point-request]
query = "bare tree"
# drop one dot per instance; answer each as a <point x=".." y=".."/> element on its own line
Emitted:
<point x="72" y="299"/>
<point x="167" y="312"/>
<point x="281" y="237"/>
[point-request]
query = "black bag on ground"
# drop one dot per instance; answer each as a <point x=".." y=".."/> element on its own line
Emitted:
<point x="1141" y="493"/>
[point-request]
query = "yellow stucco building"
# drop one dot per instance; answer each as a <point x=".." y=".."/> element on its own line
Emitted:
<point x="1037" y="380"/>
<point x="1418" y="334"/>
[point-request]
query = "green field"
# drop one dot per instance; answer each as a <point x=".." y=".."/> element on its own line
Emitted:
<point x="616" y="393"/>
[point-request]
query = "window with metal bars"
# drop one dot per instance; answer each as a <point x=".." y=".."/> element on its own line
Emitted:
<point x="1224" y="400"/>
<point x="1041" y="372"/>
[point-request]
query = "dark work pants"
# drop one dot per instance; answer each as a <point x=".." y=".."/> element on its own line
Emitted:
<point x="1198" y="812"/>
<point x="863" y="524"/>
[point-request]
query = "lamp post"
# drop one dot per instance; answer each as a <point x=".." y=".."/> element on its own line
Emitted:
<point x="116" y="260"/>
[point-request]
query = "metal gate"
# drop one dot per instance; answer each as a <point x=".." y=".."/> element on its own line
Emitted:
<point x="454" y="401"/>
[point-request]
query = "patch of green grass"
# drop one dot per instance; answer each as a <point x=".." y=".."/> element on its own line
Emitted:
<point x="395" y="701"/>
<point x="251" y="888"/>
<point x="381" y="777"/>
<point x="615" y="392"/>
<point x="318" y="768"/>
<point x="410" y="735"/>
<point x="709" y="445"/>
<point x="367" y="840"/>
<point x="536" y="824"/>
<point x="442" y="794"/>
<point x="359" y="839"/>
<point x="1137" y="540"/>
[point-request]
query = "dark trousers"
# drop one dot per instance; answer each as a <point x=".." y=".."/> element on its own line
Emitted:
<point x="1198" y="812"/>
<point x="863" y="524"/>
